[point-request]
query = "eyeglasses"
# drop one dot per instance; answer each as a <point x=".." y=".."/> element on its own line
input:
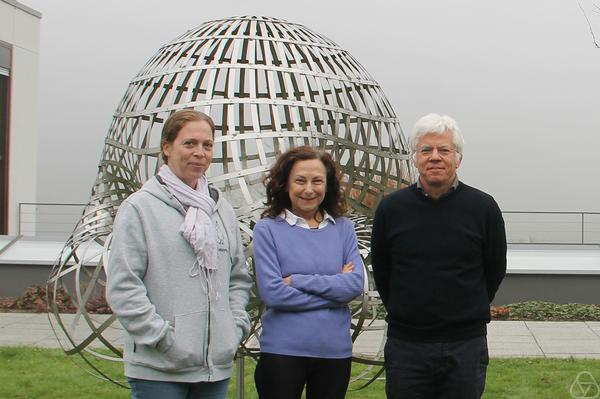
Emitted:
<point x="443" y="151"/>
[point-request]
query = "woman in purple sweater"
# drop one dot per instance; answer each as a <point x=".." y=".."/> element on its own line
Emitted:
<point x="307" y="268"/>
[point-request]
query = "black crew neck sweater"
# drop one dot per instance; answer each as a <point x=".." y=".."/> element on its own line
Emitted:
<point x="437" y="264"/>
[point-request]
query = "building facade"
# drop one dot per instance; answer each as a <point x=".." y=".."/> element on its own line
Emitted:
<point x="19" y="83"/>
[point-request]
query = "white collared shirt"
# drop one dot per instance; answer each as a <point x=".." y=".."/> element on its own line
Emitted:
<point x="294" y="220"/>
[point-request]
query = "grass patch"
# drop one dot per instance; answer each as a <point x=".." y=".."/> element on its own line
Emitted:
<point x="537" y="378"/>
<point x="33" y="373"/>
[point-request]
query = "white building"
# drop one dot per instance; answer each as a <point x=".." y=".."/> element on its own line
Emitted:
<point x="19" y="75"/>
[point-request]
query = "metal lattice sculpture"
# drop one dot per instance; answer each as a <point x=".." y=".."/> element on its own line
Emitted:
<point x="269" y="85"/>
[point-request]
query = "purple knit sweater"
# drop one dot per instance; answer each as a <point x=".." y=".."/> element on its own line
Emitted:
<point x="310" y="317"/>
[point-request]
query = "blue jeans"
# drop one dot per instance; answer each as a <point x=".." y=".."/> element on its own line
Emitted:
<point x="146" y="389"/>
<point x="435" y="370"/>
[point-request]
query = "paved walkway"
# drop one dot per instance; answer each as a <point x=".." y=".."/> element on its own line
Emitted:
<point x="505" y="338"/>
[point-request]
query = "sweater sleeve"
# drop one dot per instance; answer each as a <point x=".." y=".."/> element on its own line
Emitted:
<point x="380" y="258"/>
<point x="495" y="251"/>
<point x="340" y="287"/>
<point x="240" y="281"/>
<point x="125" y="289"/>
<point x="273" y="291"/>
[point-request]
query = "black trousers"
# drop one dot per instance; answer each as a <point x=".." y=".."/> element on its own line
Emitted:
<point x="446" y="370"/>
<point x="284" y="377"/>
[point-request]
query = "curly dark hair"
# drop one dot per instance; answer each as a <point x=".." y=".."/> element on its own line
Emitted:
<point x="276" y="182"/>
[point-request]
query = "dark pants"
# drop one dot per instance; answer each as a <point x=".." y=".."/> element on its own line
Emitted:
<point x="448" y="370"/>
<point x="284" y="377"/>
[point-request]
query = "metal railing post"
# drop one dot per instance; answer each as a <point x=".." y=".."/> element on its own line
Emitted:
<point x="19" y="219"/>
<point x="582" y="228"/>
<point x="240" y="377"/>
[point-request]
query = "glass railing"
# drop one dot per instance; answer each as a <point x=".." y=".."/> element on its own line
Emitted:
<point x="552" y="228"/>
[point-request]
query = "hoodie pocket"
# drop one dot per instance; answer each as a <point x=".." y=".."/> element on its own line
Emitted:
<point x="226" y="341"/>
<point x="188" y="349"/>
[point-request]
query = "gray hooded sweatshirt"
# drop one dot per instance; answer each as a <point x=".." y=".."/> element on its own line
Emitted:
<point x="177" y="329"/>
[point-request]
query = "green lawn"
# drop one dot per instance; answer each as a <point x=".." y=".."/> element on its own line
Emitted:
<point x="28" y="373"/>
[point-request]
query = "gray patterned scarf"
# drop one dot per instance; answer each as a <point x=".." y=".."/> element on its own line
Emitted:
<point x="197" y="227"/>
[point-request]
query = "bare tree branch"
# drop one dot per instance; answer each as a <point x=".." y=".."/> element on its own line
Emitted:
<point x="589" y="23"/>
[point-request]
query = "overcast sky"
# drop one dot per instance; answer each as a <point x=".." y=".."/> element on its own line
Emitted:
<point x="522" y="78"/>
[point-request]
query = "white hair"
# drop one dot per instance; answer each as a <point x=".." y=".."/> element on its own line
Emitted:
<point x="437" y="124"/>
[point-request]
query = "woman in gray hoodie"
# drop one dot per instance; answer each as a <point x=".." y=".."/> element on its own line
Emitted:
<point x="177" y="276"/>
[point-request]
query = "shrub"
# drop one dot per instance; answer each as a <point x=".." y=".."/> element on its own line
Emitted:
<point x="499" y="312"/>
<point x="35" y="299"/>
<point x="539" y="310"/>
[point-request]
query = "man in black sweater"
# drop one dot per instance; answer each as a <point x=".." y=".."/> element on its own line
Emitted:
<point x="438" y="250"/>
